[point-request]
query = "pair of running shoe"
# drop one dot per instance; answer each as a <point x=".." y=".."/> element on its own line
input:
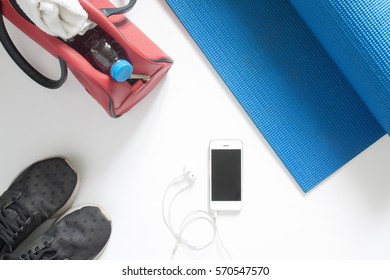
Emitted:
<point x="44" y="191"/>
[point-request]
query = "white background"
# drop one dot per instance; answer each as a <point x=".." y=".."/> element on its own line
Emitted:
<point x="125" y="164"/>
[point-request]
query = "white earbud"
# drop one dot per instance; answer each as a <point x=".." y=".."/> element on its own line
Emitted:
<point x="189" y="174"/>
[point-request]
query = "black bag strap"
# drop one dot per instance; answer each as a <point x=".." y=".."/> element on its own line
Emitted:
<point x="25" y="65"/>
<point x="121" y="10"/>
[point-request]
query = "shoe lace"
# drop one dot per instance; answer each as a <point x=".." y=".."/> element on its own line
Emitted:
<point x="11" y="227"/>
<point x="45" y="252"/>
<point x="38" y="253"/>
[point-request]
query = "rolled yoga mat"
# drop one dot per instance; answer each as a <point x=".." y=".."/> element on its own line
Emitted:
<point x="315" y="108"/>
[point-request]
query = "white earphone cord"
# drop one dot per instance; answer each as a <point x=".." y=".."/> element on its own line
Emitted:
<point x="188" y="219"/>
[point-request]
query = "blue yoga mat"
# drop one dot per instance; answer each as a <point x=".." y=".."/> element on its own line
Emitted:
<point x="356" y="34"/>
<point x="306" y="105"/>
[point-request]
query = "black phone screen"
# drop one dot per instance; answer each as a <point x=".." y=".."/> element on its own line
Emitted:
<point x="226" y="175"/>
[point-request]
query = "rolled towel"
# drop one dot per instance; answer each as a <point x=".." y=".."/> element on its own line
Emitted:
<point x="60" y="18"/>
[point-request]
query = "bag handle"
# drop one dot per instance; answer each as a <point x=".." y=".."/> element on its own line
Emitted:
<point x="121" y="10"/>
<point x="24" y="64"/>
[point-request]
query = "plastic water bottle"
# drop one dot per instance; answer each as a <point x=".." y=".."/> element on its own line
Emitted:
<point x="103" y="52"/>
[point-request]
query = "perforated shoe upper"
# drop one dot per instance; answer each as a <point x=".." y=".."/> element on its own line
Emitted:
<point x="43" y="190"/>
<point x="81" y="234"/>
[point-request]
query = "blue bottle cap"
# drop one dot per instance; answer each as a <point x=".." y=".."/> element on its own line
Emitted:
<point x="121" y="70"/>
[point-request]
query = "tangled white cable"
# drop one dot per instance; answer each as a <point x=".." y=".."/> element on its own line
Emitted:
<point x="188" y="177"/>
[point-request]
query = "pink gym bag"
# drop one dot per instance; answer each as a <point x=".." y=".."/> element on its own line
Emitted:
<point x="115" y="97"/>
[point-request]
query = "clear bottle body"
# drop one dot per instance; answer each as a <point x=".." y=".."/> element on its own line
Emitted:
<point x="102" y="52"/>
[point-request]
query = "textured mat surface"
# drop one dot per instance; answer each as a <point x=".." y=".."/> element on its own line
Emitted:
<point x="356" y="34"/>
<point x="285" y="80"/>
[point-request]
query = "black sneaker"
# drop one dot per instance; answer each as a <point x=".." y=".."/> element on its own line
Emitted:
<point x="44" y="190"/>
<point x="80" y="234"/>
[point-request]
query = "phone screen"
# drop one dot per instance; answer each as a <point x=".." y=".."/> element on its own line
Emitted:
<point x="226" y="175"/>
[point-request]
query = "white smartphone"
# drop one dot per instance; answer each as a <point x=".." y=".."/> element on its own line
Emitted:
<point x="225" y="161"/>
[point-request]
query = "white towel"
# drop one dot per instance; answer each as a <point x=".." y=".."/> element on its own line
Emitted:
<point x="60" y="18"/>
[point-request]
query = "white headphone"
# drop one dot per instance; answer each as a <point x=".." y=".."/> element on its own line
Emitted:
<point x="187" y="174"/>
<point x="188" y="177"/>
